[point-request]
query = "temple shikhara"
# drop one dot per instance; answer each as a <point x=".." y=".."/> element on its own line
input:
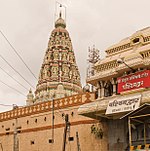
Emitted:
<point x="59" y="75"/>
<point x="111" y="113"/>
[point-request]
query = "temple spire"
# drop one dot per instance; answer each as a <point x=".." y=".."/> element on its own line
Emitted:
<point x="59" y="73"/>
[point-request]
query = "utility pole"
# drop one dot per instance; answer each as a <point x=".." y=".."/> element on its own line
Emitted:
<point x="15" y="145"/>
<point x="1" y="146"/>
<point x="53" y="120"/>
<point x="78" y="143"/>
<point x="67" y="125"/>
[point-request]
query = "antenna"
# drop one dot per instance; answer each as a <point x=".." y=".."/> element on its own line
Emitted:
<point x="93" y="57"/>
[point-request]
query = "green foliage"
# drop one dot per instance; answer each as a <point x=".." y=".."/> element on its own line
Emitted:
<point x="97" y="131"/>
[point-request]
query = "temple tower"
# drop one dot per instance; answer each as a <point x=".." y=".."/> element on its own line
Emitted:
<point x="59" y="75"/>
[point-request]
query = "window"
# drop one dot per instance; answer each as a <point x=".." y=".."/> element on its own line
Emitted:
<point x="32" y="142"/>
<point x="108" y="89"/>
<point x="72" y="113"/>
<point x="136" y="40"/>
<point x="27" y="122"/>
<point x="51" y="141"/>
<point x="96" y="94"/>
<point x="7" y="129"/>
<point x="63" y="115"/>
<point x="70" y="138"/>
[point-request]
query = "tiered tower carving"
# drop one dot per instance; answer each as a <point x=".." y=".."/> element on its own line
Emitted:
<point x="59" y="74"/>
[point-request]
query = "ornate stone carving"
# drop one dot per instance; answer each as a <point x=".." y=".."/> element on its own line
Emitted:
<point x="65" y="71"/>
<point x="54" y="71"/>
<point x="56" y="55"/>
<point x="64" y="56"/>
<point x="58" y="65"/>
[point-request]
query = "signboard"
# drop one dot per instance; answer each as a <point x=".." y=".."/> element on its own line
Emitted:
<point x="134" y="81"/>
<point x="123" y="104"/>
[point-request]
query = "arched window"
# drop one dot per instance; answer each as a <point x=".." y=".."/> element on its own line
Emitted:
<point x="108" y="89"/>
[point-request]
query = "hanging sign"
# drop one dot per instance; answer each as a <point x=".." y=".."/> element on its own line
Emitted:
<point x="134" y="81"/>
<point x="123" y="104"/>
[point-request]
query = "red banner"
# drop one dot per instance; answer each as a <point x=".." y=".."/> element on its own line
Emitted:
<point x="134" y="81"/>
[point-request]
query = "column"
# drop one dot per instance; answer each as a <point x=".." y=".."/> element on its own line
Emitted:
<point x="114" y="83"/>
<point x="102" y="89"/>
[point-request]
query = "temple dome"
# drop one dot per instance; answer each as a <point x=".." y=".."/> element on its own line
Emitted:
<point x="60" y="22"/>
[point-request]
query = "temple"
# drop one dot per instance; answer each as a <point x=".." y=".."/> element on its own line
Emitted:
<point x="115" y="116"/>
<point x="50" y="121"/>
<point x="59" y="75"/>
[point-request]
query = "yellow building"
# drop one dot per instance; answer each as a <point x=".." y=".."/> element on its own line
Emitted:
<point x="122" y="80"/>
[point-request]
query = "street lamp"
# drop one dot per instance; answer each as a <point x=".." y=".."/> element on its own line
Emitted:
<point x="120" y="61"/>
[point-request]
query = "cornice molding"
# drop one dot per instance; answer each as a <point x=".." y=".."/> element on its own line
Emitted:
<point x="63" y="103"/>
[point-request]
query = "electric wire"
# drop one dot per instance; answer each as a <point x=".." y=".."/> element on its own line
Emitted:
<point x="18" y="54"/>
<point x="5" y="105"/>
<point x="10" y="105"/>
<point x="15" y="70"/>
<point x="12" y="88"/>
<point x="14" y="78"/>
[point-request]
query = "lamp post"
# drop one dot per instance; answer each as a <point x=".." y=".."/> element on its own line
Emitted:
<point x="120" y="61"/>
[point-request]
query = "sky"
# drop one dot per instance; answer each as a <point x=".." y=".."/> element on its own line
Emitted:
<point x="27" y="24"/>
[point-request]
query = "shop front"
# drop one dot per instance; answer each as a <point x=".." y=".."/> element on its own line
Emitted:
<point x="125" y="113"/>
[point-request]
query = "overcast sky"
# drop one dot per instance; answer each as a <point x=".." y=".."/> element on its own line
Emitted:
<point x="28" y="24"/>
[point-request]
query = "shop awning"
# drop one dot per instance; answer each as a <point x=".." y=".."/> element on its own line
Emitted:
<point x="142" y="113"/>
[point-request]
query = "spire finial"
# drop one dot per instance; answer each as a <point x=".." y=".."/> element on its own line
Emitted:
<point x="60" y="21"/>
<point x="60" y="14"/>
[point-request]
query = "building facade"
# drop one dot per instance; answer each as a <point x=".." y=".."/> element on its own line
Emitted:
<point x="50" y="120"/>
<point x="122" y="83"/>
<point x="31" y="127"/>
